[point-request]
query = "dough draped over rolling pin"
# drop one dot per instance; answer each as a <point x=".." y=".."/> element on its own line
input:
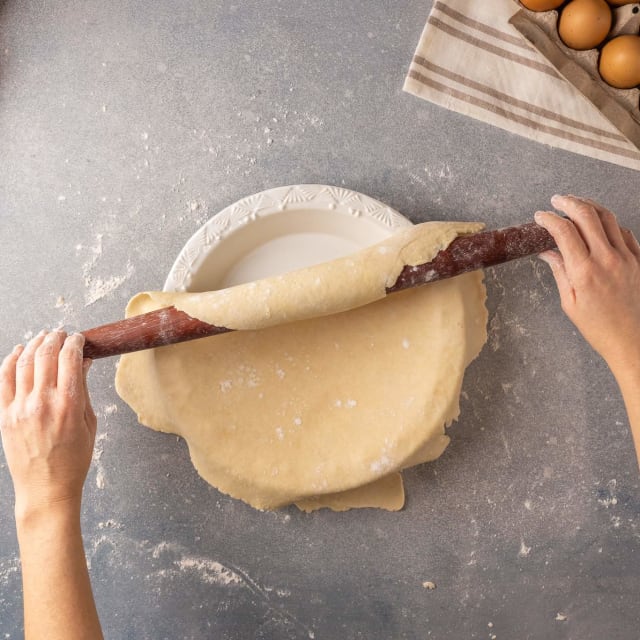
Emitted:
<point x="330" y="389"/>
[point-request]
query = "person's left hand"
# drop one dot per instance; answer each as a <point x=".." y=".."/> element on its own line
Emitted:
<point x="47" y="423"/>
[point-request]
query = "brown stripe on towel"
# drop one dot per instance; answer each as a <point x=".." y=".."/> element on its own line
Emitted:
<point x="480" y="26"/>
<point x="481" y="44"/>
<point x="514" y="117"/>
<point x="522" y="104"/>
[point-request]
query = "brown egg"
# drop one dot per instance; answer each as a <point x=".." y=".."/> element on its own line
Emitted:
<point x="541" y="5"/>
<point x="620" y="62"/>
<point x="584" y="24"/>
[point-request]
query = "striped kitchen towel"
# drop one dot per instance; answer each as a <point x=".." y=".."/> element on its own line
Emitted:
<point x="472" y="61"/>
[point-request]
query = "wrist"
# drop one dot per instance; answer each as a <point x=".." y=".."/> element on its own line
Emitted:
<point x="626" y="369"/>
<point x="38" y="515"/>
<point x="623" y="359"/>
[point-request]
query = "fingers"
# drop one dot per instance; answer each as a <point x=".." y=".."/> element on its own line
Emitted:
<point x="556" y="262"/>
<point x="609" y="223"/>
<point x="591" y="229"/>
<point x="45" y="375"/>
<point x="586" y="220"/>
<point x="631" y="242"/>
<point x="8" y="377"/>
<point x="70" y="373"/>
<point x="564" y="232"/>
<point x="24" y="366"/>
<point x="89" y="415"/>
<point x="48" y="361"/>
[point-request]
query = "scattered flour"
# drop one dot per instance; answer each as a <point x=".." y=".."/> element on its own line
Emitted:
<point x="171" y="561"/>
<point x="97" y="287"/>
<point x="524" y="550"/>
<point x="209" y="571"/>
<point x="64" y="307"/>
<point x="608" y="498"/>
<point x="382" y="464"/>
<point x="110" y="524"/>
<point x="9" y="568"/>
<point x="98" y="450"/>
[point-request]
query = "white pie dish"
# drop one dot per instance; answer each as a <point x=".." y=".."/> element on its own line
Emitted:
<point x="280" y="230"/>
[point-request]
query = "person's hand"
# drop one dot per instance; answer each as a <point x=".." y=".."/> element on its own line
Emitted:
<point x="47" y="423"/>
<point x="597" y="270"/>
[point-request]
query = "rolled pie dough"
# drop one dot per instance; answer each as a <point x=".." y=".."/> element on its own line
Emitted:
<point x="330" y="389"/>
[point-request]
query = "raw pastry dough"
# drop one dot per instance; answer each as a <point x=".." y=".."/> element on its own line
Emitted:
<point x="318" y="411"/>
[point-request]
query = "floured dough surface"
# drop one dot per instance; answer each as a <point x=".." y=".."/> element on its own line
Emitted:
<point x="326" y="409"/>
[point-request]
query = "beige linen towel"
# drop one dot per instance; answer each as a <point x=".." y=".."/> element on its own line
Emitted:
<point x="472" y="61"/>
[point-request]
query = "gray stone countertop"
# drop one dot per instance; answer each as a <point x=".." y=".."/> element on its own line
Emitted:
<point x="123" y="127"/>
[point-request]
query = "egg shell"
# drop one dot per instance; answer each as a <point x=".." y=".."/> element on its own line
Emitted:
<point x="620" y="62"/>
<point x="584" y="24"/>
<point x="541" y="28"/>
<point x="541" y="5"/>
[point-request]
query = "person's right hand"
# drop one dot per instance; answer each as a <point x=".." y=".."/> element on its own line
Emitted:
<point x="48" y="426"/>
<point x="597" y="270"/>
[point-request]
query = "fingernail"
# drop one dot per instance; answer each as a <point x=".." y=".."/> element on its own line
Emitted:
<point x="557" y="198"/>
<point x="86" y="364"/>
<point x="77" y="337"/>
<point x="538" y="216"/>
<point x="17" y="348"/>
<point x="41" y="333"/>
<point x="544" y="259"/>
<point x="50" y="337"/>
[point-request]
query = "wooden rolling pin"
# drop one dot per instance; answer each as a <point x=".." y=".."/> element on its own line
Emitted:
<point x="466" y="253"/>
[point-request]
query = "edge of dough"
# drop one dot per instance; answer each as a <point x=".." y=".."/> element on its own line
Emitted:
<point x="301" y="295"/>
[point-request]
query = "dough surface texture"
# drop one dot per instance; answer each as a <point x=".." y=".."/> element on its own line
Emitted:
<point x="331" y="388"/>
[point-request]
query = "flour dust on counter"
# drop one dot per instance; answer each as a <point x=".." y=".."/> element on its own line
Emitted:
<point x="97" y="287"/>
<point x="225" y="587"/>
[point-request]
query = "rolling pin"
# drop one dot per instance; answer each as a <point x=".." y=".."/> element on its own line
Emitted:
<point x="466" y="253"/>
